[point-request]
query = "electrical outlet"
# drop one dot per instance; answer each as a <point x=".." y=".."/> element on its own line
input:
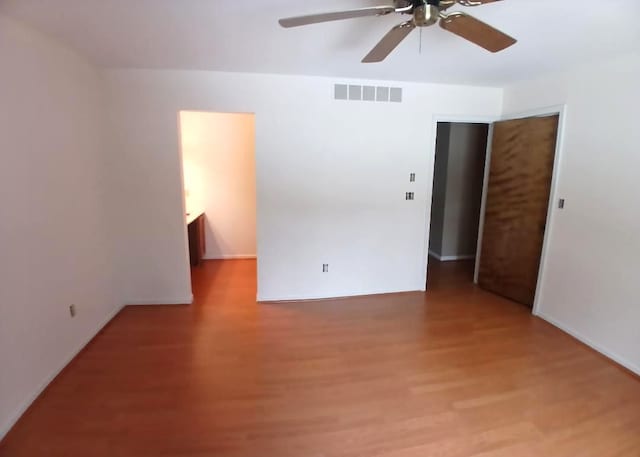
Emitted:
<point x="72" y="310"/>
<point x="408" y="195"/>
<point x="412" y="177"/>
<point x="325" y="268"/>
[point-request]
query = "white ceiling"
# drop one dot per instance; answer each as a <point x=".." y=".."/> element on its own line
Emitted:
<point x="244" y="36"/>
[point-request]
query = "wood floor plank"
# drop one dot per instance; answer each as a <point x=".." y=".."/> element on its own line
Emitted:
<point x="456" y="372"/>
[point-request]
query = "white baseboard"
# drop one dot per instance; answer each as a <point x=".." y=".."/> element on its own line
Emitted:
<point x="592" y="344"/>
<point x="187" y="300"/>
<point x="310" y="297"/>
<point x="13" y="418"/>
<point x="229" y="256"/>
<point x="446" y="258"/>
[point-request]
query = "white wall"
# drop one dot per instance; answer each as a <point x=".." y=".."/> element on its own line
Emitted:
<point x="590" y="281"/>
<point x="54" y="238"/>
<point x="218" y="156"/>
<point x="331" y="178"/>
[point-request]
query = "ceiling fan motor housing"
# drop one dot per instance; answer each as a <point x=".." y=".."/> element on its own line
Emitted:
<point x="426" y="14"/>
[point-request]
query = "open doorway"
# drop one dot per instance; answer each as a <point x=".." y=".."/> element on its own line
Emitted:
<point x="218" y="165"/>
<point x="459" y="170"/>
<point x="514" y="205"/>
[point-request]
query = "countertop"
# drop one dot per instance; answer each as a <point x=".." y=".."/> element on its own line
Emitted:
<point x="192" y="215"/>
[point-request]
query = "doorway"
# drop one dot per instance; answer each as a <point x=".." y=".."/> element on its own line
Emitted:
<point x="219" y="191"/>
<point x="519" y="180"/>
<point x="459" y="166"/>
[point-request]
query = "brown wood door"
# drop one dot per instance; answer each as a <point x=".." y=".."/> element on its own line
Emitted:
<point x="522" y="155"/>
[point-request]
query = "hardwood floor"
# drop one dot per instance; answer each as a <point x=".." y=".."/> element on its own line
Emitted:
<point x="454" y="372"/>
<point x="445" y="275"/>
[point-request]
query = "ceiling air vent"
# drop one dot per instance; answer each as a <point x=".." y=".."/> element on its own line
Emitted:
<point x="353" y="92"/>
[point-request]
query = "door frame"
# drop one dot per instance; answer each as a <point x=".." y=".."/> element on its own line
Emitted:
<point x="461" y="119"/>
<point x="561" y="111"/>
<point x="183" y="199"/>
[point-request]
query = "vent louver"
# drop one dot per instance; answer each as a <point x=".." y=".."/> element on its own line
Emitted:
<point x="354" y="92"/>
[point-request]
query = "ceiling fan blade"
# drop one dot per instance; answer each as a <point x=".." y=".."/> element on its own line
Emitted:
<point x="476" y="31"/>
<point x="335" y="16"/>
<point x="389" y="42"/>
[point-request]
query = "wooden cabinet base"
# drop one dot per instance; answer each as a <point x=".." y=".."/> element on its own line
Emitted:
<point x="196" y="240"/>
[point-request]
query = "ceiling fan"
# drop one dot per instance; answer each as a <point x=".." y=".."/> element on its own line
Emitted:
<point x="424" y="13"/>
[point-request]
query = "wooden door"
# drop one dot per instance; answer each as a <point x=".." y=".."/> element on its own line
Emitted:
<point x="522" y="156"/>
